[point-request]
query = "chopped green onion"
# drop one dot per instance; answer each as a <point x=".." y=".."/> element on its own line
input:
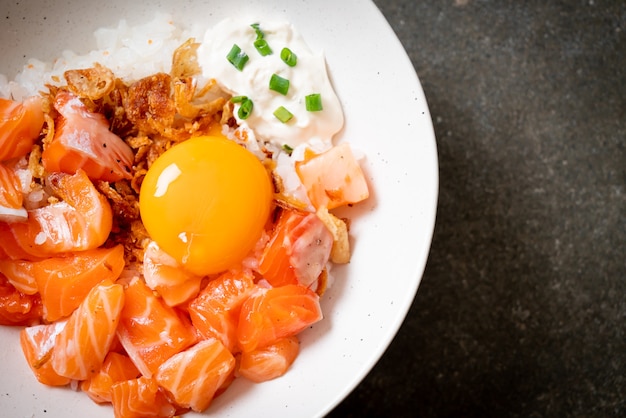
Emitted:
<point x="288" y="57"/>
<point x="279" y="84"/>
<point x="260" y="43"/>
<point x="283" y="114"/>
<point x="257" y="29"/>
<point x="245" y="107"/>
<point x="237" y="57"/>
<point x="287" y="149"/>
<point x="262" y="46"/>
<point x="313" y="102"/>
<point x="238" y="99"/>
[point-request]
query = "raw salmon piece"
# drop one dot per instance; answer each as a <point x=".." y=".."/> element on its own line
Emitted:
<point x="11" y="199"/>
<point x="269" y="362"/>
<point x="82" y="220"/>
<point x="82" y="140"/>
<point x="21" y="274"/>
<point x="271" y="314"/>
<point x="65" y="281"/>
<point x="140" y="398"/>
<point x="149" y="330"/>
<point x="37" y="345"/>
<point x="192" y="377"/>
<point x="333" y="178"/>
<point x="163" y="274"/>
<point x="116" y="345"/>
<point x="80" y="348"/>
<point x="17" y="308"/>
<point x="9" y="246"/>
<point x="298" y="249"/>
<point x="115" y="368"/>
<point x="215" y="312"/>
<point x="20" y="125"/>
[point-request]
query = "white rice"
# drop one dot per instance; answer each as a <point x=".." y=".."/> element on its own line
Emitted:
<point x="131" y="52"/>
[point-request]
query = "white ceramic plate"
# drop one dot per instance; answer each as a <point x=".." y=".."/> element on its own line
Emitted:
<point x="387" y="119"/>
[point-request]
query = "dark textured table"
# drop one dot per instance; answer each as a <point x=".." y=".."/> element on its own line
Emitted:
<point x="522" y="310"/>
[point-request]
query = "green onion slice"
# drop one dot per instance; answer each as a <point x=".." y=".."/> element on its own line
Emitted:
<point x="283" y="114"/>
<point x="279" y="84"/>
<point x="237" y="57"/>
<point x="245" y="106"/>
<point x="238" y="99"/>
<point x="313" y="102"/>
<point x="260" y="43"/>
<point x="262" y="46"/>
<point x="245" y="109"/>
<point x="257" y="29"/>
<point x="288" y="57"/>
<point x="287" y="149"/>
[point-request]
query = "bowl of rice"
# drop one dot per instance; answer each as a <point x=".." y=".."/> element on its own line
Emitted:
<point x="385" y="119"/>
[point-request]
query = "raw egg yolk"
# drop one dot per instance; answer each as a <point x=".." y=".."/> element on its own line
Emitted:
<point x="205" y="201"/>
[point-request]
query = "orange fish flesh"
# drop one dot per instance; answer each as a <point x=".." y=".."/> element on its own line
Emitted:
<point x="140" y="398"/>
<point x="151" y="331"/>
<point x="82" y="141"/>
<point x="82" y="220"/>
<point x="20" y="125"/>
<point x="192" y="377"/>
<point x="82" y="345"/>
<point x="65" y="281"/>
<point x="215" y="312"/>
<point x="116" y="368"/>
<point x="37" y="343"/>
<point x="298" y="249"/>
<point x="271" y="314"/>
<point x="269" y="362"/>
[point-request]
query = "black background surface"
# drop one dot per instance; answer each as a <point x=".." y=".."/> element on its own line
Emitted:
<point x="522" y="310"/>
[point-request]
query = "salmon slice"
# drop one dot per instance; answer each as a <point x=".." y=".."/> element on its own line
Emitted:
<point x="10" y="248"/>
<point x="20" y="125"/>
<point x="21" y="274"/>
<point x="115" y="368"/>
<point x="271" y="314"/>
<point x="192" y="377"/>
<point x="82" y="140"/>
<point x="298" y="249"/>
<point x="140" y="398"/>
<point x="11" y="199"/>
<point x="149" y="330"/>
<point x="17" y="308"/>
<point x="82" y="220"/>
<point x="116" y="345"/>
<point x="215" y="312"/>
<point x="333" y="178"/>
<point x="64" y="282"/>
<point x="269" y="362"/>
<point x="37" y="343"/>
<point x="163" y="274"/>
<point x="80" y="348"/>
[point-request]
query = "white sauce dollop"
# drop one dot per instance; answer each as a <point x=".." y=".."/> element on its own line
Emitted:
<point x="309" y="76"/>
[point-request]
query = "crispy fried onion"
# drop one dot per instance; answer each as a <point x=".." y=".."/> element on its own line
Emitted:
<point x="149" y="104"/>
<point x="123" y="199"/>
<point x="162" y="105"/>
<point x="185" y="60"/>
<point x="340" y="252"/>
<point x="91" y="83"/>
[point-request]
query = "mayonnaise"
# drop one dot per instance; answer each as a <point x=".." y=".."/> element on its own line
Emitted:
<point x="308" y="76"/>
